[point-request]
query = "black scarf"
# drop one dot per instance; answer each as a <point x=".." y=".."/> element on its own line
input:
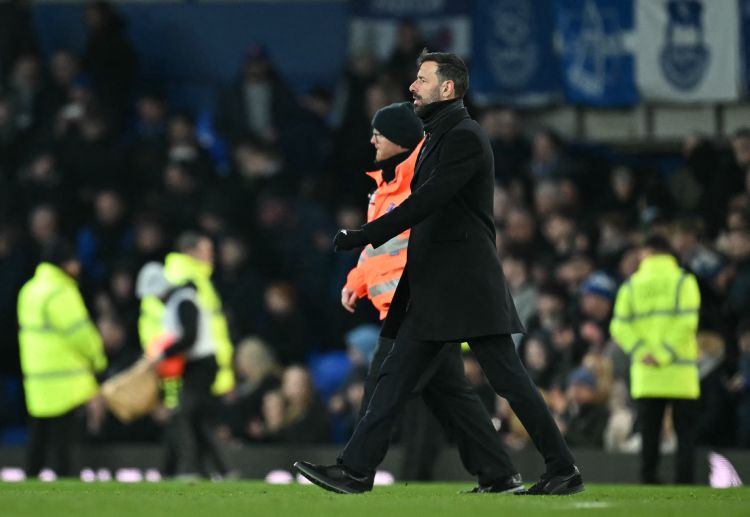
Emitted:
<point x="388" y="165"/>
<point x="435" y="112"/>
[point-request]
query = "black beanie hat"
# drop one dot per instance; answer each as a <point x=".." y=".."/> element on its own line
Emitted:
<point x="399" y="124"/>
<point x="58" y="252"/>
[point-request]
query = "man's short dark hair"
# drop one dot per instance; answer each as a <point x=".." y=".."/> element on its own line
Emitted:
<point x="187" y="241"/>
<point x="742" y="133"/>
<point x="658" y="243"/>
<point x="450" y="68"/>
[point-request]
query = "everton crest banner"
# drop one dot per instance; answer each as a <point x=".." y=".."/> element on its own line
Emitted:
<point x="598" y="69"/>
<point x="688" y="50"/>
<point x="513" y="58"/>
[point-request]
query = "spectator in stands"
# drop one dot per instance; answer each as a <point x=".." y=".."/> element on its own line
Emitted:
<point x="517" y="271"/>
<point x="109" y="58"/>
<point x="258" y="373"/>
<point x="240" y="286"/>
<point x="258" y="104"/>
<point x="147" y="149"/>
<point x="295" y="414"/>
<point x="17" y="35"/>
<point x="585" y="418"/>
<point x="739" y="253"/>
<point x="548" y="157"/>
<point x="44" y="225"/>
<point x="595" y="310"/>
<point x="740" y="384"/>
<point x="284" y="327"/>
<point x="107" y="238"/>
<point x="402" y="63"/>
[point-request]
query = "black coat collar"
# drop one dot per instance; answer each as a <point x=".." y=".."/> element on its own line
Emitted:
<point x="441" y="116"/>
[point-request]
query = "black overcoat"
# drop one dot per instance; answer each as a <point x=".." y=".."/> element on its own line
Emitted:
<point x="453" y="284"/>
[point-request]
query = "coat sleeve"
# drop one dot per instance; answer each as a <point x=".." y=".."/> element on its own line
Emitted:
<point x="68" y="315"/>
<point x="455" y="167"/>
<point x="621" y="327"/>
<point x="356" y="279"/>
<point x="679" y="339"/>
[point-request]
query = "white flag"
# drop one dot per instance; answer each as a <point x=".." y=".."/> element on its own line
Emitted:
<point x="688" y="50"/>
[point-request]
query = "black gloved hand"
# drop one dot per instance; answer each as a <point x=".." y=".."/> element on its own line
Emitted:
<point x="346" y="240"/>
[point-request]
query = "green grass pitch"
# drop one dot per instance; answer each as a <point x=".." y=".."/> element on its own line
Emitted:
<point x="253" y="498"/>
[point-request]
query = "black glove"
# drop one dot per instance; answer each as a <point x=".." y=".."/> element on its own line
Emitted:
<point x="346" y="240"/>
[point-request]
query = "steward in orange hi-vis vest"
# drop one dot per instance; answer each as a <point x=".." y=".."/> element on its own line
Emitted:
<point x="379" y="269"/>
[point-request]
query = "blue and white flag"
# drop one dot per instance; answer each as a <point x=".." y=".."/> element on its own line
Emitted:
<point x="445" y="24"/>
<point x="688" y="50"/>
<point x="598" y="69"/>
<point x="513" y="58"/>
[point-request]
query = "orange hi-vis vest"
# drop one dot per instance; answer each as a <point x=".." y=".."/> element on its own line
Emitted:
<point x="379" y="269"/>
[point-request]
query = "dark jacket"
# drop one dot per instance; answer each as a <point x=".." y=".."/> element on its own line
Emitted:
<point x="453" y="284"/>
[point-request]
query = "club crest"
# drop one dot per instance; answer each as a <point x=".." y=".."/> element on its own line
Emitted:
<point x="685" y="56"/>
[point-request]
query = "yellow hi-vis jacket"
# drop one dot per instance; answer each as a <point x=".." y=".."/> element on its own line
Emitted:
<point x="60" y="346"/>
<point x="656" y="313"/>
<point x="179" y="269"/>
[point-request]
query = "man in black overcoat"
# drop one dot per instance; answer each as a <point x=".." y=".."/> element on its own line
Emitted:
<point x="452" y="289"/>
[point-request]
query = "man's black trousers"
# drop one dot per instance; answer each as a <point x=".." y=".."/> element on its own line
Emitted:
<point x="454" y="403"/>
<point x="50" y="439"/>
<point x="685" y="415"/>
<point x="452" y="400"/>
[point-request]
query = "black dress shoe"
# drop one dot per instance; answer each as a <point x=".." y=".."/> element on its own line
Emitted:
<point x="567" y="483"/>
<point x="510" y="485"/>
<point x="335" y="478"/>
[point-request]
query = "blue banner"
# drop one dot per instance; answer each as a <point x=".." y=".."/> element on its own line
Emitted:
<point x="597" y="69"/>
<point x="513" y="57"/>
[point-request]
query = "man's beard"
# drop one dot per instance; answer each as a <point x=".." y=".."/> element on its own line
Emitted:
<point x="426" y="102"/>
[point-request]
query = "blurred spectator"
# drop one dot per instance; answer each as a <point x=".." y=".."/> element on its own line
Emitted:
<point x="44" y="225"/>
<point x="15" y="268"/>
<point x="258" y="104"/>
<point x="109" y="58"/>
<point x="107" y="238"/>
<point x="548" y="158"/>
<point x="510" y="147"/>
<point x="240" y="287"/>
<point x="595" y="309"/>
<point x="740" y="384"/>
<point x="585" y="418"/>
<point x="17" y="36"/>
<point x="284" y="327"/>
<point x="516" y="268"/>
<point x="258" y="374"/>
<point x="402" y="63"/>
<point x="147" y="150"/>
<point x="295" y="414"/>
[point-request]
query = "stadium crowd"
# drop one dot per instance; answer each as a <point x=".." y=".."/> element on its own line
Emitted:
<point x="90" y="154"/>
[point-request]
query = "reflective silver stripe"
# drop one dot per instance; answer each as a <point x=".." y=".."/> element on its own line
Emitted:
<point x="55" y="374"/>
<point x="638" y="344"/>
<point x="49" y="329"/>
<point x="671" y="351"/>
<point x="656" y="312"/>
<point x="385" y="287"/>
<point x="392" y="246"/>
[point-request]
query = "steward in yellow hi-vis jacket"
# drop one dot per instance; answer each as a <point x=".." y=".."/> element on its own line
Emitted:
<point x="655" y="322"/>
<point x="193" y="262"/>
<point x="60" y="352"/>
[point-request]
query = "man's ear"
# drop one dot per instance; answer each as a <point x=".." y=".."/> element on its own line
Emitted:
<point x="447" y="89"/>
